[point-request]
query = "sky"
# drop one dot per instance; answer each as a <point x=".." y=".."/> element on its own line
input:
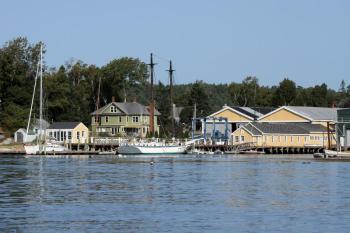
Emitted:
<point x="214" y="41"/>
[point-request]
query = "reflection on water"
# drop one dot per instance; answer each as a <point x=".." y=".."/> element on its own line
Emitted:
<point x="176" y="194"/>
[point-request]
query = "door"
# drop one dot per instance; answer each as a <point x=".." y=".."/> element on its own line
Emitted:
<point x="19" y="137"/>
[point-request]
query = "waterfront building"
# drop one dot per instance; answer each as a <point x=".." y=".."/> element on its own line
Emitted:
<point x="314" y="115"/>
<point x="21" y="136"/>
<point x="235" y="115"/>
<point x="287" y="134"/>
<point x="343" y="128"/>
<point x="68" y="132"/>
<point x="123" y="119"/>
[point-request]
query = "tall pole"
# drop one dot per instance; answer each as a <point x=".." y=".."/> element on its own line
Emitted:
<point x="41" y="98"/>
<point x="172" y="110"/>
<point x="152" y="96"/>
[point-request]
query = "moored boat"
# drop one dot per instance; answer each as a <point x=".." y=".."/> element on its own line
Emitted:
<point x="151" y="148"/>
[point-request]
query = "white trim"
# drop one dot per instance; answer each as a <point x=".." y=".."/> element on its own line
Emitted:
<point x="285" y="108"/>
<point x="231" y="109"/>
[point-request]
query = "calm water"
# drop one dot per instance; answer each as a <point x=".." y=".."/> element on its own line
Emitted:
<point x="182" y="194"/>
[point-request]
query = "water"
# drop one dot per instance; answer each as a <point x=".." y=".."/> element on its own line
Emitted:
<point x="181" y="194"/>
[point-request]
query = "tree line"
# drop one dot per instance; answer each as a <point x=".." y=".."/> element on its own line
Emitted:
<point x="71" y="90"/>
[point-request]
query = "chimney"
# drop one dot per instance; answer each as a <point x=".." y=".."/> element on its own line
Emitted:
<point x="113" y="98"/>
<point x="334" y="105"/>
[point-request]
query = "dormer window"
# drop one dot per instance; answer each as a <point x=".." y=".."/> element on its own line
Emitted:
<point x="113" y="109"/>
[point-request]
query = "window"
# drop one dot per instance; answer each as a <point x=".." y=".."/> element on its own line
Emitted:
<point x="55" y="134"/>
<point x="78" y="135"/>
<point x="113" y="131"/>
<point x="69" y="135"/>
<point x="305" y="139"/>
<point x="237" y="138"/>
<point x="106" y="120"/>
<point x="50" y="134"/>
<point x="113" y="109"/>
<point x="120" y="119"/>
<point x="135" y="119"/>
<point x="242" y="138"/>
<point x="82" y="133"/>
<point x="143" y="130"/>
<point x="65" y="135"/>
<point x="61" y="139"/>
<point x="127" y="119"/>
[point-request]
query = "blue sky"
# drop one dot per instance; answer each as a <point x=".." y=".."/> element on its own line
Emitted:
<point x="215" y="41"/>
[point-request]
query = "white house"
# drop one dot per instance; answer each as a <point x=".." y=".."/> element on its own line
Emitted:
<point x="21" y="135"/>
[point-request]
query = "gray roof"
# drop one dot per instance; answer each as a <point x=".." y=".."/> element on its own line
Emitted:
<point x="285" y="128"/>
<point x="252" y="129"/>
<point x="316" y="113"/>
<point x="128" y="108"/>
<point x="64" y="125"/>
<point x="253" y="112"/>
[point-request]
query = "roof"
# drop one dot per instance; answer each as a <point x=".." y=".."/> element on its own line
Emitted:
<point x="283" y="128"/>
<point x="310" y="113"/>
<point x="128" y="108"/>
<point x="252" y="129"/>
<point x="316" y="113"/>
<point x="252" y="113"/>
<point x="64" y="125"/>
<point x="30" y="131"/>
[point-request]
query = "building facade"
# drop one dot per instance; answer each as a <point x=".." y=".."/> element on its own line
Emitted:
<point x="123" y="119"/>
<point x="68" y="132"/>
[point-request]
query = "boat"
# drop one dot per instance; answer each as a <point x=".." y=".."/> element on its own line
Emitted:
<point x="42" y="145"/>
<point x="340" y="154"/>
<point x="153" y="147"/>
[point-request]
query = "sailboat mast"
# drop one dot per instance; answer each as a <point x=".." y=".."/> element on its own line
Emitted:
<point x="152" y="96"/>
<point x="41" y="93"/>
<point x="171" y="71"/>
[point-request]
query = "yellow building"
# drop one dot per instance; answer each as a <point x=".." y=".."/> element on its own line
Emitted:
<point x="314" y="115"/>
<point x="301" y="134"/>
<point x="68" y="132"/>
<point x="236" y="116"/>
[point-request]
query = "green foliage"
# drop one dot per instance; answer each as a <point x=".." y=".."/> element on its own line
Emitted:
<point x="71" y="90"/>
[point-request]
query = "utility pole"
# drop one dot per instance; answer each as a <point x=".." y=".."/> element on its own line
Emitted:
<point x="151" y="105"/>
<point x="172" y="110"/>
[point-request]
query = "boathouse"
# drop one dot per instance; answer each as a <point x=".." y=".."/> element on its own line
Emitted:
<point x="235" y="115"/>
<point x="278" y="135"/>
<point x="68" y="132"/>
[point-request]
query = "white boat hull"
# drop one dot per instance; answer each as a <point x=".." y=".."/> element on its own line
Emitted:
<point x="35" y="149"/>
<point x="134" y="149"/>
<point x="332" y="153"/>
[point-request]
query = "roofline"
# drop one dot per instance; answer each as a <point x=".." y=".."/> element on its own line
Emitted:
<point x="233" y="110"/>
<point x="256" y="128"/>
<point x="286" y="108"/>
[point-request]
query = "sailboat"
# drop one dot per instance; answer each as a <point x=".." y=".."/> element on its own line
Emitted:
<point x="42" y="145"/>
<point x="155" y="146"/>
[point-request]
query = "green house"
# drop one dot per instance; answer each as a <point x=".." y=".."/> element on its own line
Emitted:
<point x="123" y="119"/>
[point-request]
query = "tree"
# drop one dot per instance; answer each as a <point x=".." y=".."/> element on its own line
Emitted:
<point x="285" y="93"/>
<point x="18" y="62"/>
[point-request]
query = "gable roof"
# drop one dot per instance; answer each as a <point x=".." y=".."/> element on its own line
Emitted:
<point x="251" y="113"/>
<point x="287" y="128"/>
<point x="128" y="108"/>
<point x="64" y="125"/>
<point x="310" y="113"/>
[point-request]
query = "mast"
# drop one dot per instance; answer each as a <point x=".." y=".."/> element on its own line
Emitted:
<point x="152" y="96"/>
<point x="172" y="110"/>
<point x="41" y="98"/>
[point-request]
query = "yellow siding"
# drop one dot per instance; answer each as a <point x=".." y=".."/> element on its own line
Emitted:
<point x="247" y="137"/>
<point x="283" y="140"/>
<point x="232" y="116"/>
<point x="80" y="134"/>
<point x="283" y="115"/>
